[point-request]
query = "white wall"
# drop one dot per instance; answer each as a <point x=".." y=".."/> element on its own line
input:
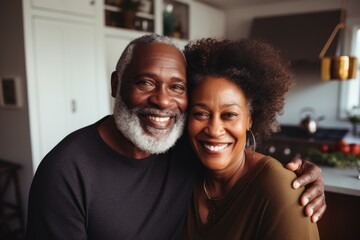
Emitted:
<point x="14" y="124"/>
<point x="206" y="21"/>
<point x="309" y="90"/>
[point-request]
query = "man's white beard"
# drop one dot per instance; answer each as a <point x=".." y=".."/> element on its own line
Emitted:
<point x="128" y="122"/>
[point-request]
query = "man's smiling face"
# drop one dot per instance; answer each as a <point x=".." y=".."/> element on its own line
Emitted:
<point x="153" y="100"/>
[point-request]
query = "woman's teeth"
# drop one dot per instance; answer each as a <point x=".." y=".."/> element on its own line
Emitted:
<point x="215" y="148"/>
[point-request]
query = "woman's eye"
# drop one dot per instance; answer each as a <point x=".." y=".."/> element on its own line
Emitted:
<point x="200" y="115"/>
<point x="229" y="115"/>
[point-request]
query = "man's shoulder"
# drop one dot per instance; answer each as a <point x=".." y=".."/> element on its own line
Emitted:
<point x="70" y="149"/>
<point x="80" y="138"/>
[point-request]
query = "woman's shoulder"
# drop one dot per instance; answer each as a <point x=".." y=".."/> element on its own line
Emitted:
<point x="274" y="178"/>
<point x="274" y="168"/>
<point x="283" y="208"/>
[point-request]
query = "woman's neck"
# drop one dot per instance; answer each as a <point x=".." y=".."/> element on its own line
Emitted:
<point x="219" y="183"/>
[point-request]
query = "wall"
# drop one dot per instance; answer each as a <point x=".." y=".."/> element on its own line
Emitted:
<point x="206" y="21"/>
<point x="14" y="126"/>
<point x="309" y="90"/>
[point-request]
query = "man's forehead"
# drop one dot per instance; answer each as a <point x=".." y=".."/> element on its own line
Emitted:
<point x="156" y="53"/>
<point x="156" y="49"/>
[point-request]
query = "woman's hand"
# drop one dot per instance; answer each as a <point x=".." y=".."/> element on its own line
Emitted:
<point x="310" y="176"/>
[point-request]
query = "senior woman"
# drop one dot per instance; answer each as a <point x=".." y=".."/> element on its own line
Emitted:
<point x="237" y="88"/>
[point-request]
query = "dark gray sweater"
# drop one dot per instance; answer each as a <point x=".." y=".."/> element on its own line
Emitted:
<point x="84" y="190"/>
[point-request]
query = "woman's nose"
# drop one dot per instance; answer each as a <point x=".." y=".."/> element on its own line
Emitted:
<point x="215" y="127"/>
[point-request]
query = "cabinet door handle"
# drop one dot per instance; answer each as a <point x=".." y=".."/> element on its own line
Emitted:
<point x="73" y="106"/>
<point x="92" y="3"/>
<point x="272" y="149"/>
<point x="287" y="151"/>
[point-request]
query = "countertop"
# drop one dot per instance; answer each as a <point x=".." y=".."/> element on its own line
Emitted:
<point x="350" y="138"/>
<point x="340" y="180"/>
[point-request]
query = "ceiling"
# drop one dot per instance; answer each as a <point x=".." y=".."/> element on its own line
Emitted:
<point x="226" y="4"/>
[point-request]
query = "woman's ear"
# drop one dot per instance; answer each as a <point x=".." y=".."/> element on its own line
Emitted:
<point x="114" y="84"/>
<point x="249" y="122"/>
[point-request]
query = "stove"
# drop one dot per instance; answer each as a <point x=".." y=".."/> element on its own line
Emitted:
<point x="330" y="135"/>
<point x="293" y="141"/>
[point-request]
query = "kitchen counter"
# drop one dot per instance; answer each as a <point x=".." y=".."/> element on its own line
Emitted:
<point x="341" y="218"/>
<point x="344" y="181"/>
<point x="350" y="138"/>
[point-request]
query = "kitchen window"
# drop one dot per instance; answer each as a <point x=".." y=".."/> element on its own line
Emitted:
<point x="350" y="90"/>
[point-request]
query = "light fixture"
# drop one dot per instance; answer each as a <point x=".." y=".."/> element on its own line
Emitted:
<point x="337" y="67"/>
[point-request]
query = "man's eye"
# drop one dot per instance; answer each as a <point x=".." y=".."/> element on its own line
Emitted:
<point x="144" y="84"/>
<point x="178" y="88"/>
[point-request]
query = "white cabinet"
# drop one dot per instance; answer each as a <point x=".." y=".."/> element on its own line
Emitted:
<point x="65" y="70"/>
<point x="73" y="6"/>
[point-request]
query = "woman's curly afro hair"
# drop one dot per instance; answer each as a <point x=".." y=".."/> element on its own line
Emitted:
<point x="256" y="67"/>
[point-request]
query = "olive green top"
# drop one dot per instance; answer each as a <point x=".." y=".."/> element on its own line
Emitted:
<point x="261" y="205"/>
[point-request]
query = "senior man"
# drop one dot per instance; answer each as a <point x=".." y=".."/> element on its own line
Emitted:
<point x="124" y="177"/>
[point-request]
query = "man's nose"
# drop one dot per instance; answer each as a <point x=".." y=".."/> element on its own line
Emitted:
<point x="161" y="98"/>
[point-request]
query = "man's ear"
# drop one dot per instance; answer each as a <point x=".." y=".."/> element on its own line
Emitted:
<point x="114" y="84"/>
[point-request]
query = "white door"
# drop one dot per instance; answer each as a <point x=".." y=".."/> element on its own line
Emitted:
<point x="65" y="68"/>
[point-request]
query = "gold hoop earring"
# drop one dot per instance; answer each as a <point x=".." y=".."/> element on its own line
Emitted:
<point x="248" y="145"/>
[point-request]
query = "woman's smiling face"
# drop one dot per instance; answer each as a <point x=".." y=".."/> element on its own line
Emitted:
<point x="218" y="120"/>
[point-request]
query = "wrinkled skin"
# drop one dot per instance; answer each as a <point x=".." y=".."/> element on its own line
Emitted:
<point x="310" y="176"/>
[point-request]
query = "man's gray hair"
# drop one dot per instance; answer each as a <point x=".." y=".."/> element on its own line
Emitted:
<point x="127" y="54"/>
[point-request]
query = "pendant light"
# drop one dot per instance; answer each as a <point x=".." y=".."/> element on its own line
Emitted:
<point x="341" y="67"/>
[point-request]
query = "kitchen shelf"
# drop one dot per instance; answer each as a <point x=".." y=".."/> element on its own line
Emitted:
<point x="138" y="14"/>
<point x="143" y="21"/>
